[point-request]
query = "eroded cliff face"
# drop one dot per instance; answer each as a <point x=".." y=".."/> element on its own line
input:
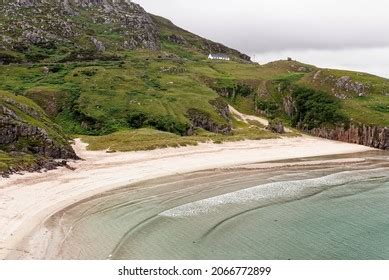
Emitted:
<point x="362" y="134"/>
<point x="25" y="129"/>
<point x="17" y="136"/>
<point x="372" y="136"/>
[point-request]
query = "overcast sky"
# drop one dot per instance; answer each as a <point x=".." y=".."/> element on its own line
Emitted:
<point x="260" y="26"/>
<point x="269" y="25"/>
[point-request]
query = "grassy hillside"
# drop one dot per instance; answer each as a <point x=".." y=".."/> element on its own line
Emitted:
<point x="150" y="89"/>
<point x="370" y="106"/>
<point x="163" y="91"/>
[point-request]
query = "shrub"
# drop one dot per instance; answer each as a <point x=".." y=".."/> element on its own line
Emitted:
<point x="56" y="68"/>
<point x="163" y="123"/>
<point x="231" y="91"/>
<point x="10" y="57"/>
<point x="316" y="109"/>
<point x="36" y="56"/>
<point x="270" y="108"/>
<point x="136" y="119"/>
<point x="244" y="90"/>
<point x="167" y="123"/>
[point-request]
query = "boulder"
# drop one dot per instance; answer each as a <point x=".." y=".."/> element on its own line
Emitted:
<point x="276" y="126"/>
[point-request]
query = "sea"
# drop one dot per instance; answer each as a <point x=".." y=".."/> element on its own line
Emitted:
<point x="322" y="208"/>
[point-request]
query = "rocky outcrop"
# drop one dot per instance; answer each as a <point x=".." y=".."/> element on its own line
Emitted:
<point x="372" y="136"/>
<point x="182" y="37"/>
<point x="343" y="87"/>
<point x="276" y="126"/>
<point x="345" y="83"/>
<point x="212" y="47"/>
<point x="54" y="23"/>
<point x="26" y="129"/>
<point x="289" y="106"/>
<point x="22" y="137"/>
<point x="201" y="119"/>
<point x="177" y="39"/>
<point x="221" y="106"/>
<point x="98" y="44"/>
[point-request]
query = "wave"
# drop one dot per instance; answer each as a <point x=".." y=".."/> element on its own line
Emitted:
<point x="265" y="193"/>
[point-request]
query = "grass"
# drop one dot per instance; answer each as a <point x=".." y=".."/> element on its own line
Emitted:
<point x="369" y="109"/>
<point x="103" y="95"/>
<point x="21" y="161"/>
<point x="96" y="98"/>
<point x="150" y="139"/>
<point x="100" y="98"/>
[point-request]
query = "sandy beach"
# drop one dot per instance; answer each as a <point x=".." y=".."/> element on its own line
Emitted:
<point x="27" y="201"/>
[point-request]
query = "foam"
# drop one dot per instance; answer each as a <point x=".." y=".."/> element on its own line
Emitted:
<point x="272" y="191"/>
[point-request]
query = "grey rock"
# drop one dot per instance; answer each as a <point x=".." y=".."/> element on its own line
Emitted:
<point x="317" y="75"/>
<point x="177" y="39"/>
<point x="98" y="44"/>
<point x="13" y="128"/>
<point x="289" y="106"/>
<point x="303" y="69"/>
<point x="276" y="126"/>
<point x="345" y="83"/>
<point x="47" y="29"/>
<point x="201" y="119"/>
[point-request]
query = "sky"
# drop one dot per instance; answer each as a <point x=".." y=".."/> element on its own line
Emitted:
<point x="312" y="30"/>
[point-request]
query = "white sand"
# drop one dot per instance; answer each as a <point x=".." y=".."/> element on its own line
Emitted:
<point x="27" y="201"/>
<point x="246" y="118"/>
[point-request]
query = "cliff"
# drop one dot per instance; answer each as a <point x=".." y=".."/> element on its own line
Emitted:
<point x="372" y="136"/>
<point x="26" y="132"/>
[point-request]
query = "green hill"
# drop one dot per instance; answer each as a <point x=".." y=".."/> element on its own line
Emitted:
<point x="134" y="81"/>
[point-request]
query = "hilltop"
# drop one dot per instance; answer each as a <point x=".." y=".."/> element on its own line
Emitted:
<point x="120" y="78"/>
<point x="60" y="31"/>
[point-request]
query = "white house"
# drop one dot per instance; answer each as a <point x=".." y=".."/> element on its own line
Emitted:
<point x="219" y="56"/>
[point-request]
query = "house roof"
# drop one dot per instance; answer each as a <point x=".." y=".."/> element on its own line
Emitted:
<point x="222" y="55"/>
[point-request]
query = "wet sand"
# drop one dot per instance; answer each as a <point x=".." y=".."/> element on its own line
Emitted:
<point x="28" y="202"/>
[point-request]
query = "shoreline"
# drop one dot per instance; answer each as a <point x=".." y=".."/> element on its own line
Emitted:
<point x="28" y="201"/>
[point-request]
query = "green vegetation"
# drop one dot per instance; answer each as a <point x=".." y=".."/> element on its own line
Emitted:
<point x="269" y="107"/>
<point x="122" y="98"/>
<point x="150" y="139"/>
<point x="383" y="108"/>
<point x="100" y="97"/>
<point x="363" y="109"/>
<point x="19" y="162"/>
<point x="29" y="113"/>
<point x="316" y="109"/>
<point x="35" y="131"/>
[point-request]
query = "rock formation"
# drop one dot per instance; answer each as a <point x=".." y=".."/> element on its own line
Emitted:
<point x="56" y="22"/>
<point x="276" y="126"/>
<point x="26" y="129"/>
<point x="372" y="136"/>
<point x="345" y="83"/>
<point x="203" y="120"/>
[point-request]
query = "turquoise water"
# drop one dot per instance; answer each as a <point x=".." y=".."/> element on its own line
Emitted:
<point x="324" y="211"/>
